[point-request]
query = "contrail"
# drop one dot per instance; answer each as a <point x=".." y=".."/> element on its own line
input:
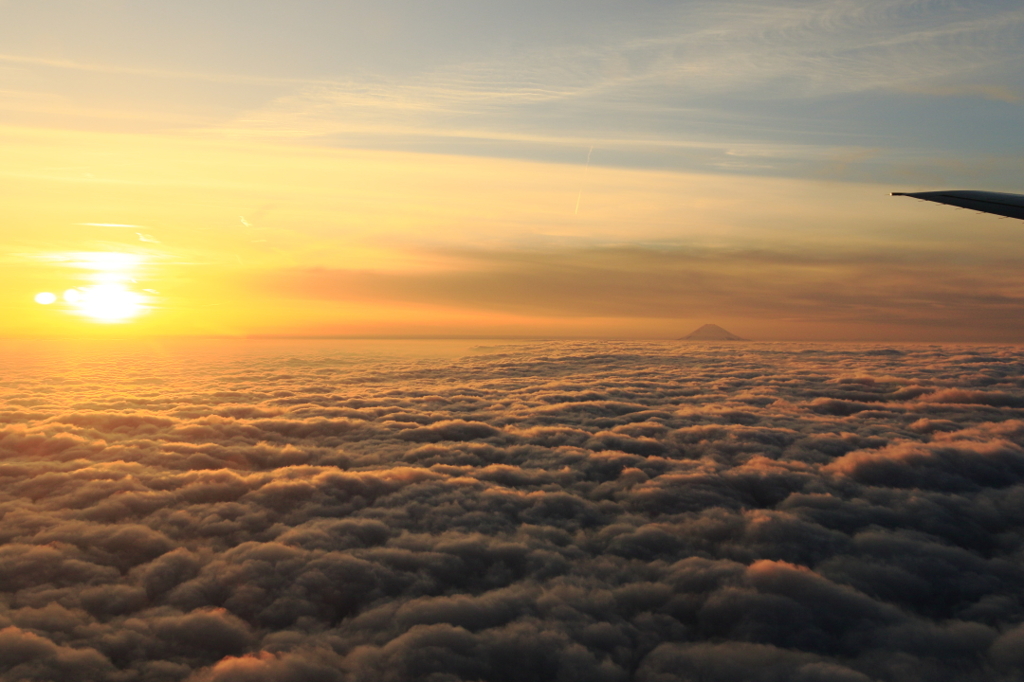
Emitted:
<point x="587" y="168"/>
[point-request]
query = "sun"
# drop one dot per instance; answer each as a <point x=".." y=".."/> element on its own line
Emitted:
<point x="110" y="296"/>
<point x="109" y="303"/>
<point x="106" y="302"/>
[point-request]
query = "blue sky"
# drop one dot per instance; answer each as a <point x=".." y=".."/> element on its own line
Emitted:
<point x="898" y="91"/>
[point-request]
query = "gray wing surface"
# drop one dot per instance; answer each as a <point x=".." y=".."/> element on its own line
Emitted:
<point x="1000" y="203"/>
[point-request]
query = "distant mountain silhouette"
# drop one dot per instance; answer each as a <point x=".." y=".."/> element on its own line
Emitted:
<point x="711" y="332"/>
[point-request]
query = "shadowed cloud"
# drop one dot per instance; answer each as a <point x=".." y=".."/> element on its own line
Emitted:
<point x="600" y="511"/>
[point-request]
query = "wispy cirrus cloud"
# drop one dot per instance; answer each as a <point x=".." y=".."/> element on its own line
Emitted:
<point x="885" y="294"/>
<point x="765" y="77"/>
<point x="668" y="86"/>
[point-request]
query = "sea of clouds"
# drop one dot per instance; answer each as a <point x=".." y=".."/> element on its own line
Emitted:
<point x="599" y="511"/>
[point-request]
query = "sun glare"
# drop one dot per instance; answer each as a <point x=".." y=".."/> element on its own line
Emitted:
<point x="109" y="297"/>
<point x="107" y="303"/>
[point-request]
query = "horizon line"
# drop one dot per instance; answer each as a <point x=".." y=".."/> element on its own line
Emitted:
<point x="470" y="337"/>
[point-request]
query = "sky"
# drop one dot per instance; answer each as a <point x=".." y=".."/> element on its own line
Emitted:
<point x="456" y="168"/>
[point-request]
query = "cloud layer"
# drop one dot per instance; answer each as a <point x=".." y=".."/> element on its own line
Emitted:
<point x="551" y="511"/>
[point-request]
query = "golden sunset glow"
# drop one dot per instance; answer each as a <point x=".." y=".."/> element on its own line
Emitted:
<point x="340" y="242"/>
<point x="312" y="204"/>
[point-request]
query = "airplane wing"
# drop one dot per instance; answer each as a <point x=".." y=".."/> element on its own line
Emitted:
<point x="1000" y="203"/>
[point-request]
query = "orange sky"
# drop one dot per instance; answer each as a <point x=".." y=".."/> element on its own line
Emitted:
<point x="443" y="193"/>
<point x="254" y="237"/>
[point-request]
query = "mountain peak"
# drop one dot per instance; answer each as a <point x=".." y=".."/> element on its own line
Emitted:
<point x="711" y="332"/>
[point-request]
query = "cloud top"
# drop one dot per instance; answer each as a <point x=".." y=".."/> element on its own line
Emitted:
<point x="565" y="510"/>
